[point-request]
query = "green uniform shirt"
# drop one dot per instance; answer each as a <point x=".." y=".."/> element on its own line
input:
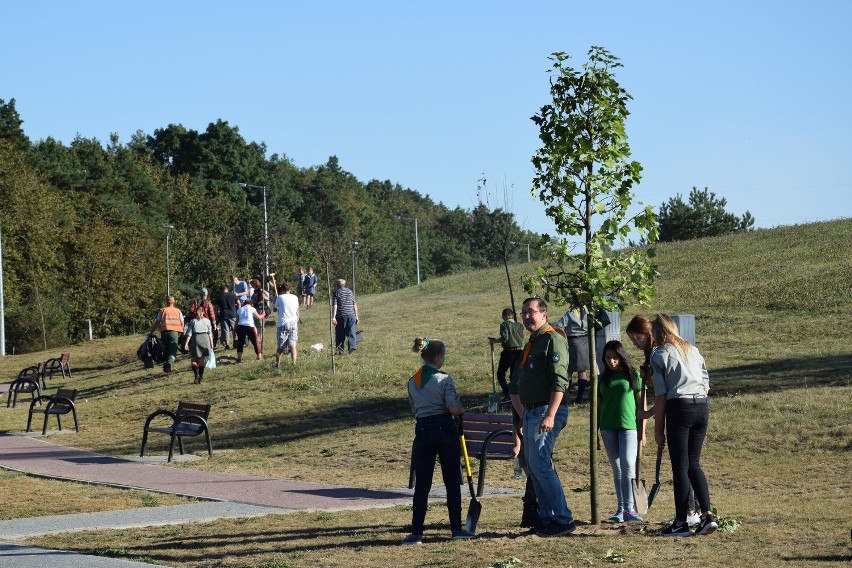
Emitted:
<point x="618" y="402"/>
<point x="543" y="370"/>
<point x="512" y="334"/>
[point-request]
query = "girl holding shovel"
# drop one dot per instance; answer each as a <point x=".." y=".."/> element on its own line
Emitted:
<point x="681" y="415"/>
<point x="434" y="402"/>
<point x="620" y="393"/>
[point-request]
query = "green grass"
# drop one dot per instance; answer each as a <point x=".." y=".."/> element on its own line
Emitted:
<point x="771" y="316"/>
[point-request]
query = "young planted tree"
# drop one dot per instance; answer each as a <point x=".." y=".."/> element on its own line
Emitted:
<point x="585" y="178"/>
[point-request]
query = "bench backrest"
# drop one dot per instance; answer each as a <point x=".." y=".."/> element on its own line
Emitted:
<point x="31" y="372"/>
<point x="477" y="427"/>
<point x="70" y="394"/>
<point x="185" y="408"/>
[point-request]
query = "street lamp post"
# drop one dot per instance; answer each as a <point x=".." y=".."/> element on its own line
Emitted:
<point x="168" y="229"/>
<point x="265" y="248"/>
<point x="2" y="301"/>
<point x="354" y="245"/>
<point x="416" y="244"/>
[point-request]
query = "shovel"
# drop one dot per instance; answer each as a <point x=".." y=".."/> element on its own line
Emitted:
<point x="640" y="495"/>
<point x="493" y="397"/>
<point x="656" y="487"/>
<point x="474" y="510"/>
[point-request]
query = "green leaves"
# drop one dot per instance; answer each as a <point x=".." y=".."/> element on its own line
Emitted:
<point x="584" y="177"/>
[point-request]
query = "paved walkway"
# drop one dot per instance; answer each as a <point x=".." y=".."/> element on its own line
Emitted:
<point x="224" y="495"/>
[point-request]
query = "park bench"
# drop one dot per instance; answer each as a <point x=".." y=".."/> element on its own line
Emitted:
<point x="57" y="365"/>
<point x="57" y="405"/>
<point x="190" y="419"/>
<point x="487" y="437"/>
<point x="28" y="382"/>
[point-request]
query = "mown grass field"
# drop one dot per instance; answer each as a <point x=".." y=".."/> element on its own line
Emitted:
<point x="772" y="309"/>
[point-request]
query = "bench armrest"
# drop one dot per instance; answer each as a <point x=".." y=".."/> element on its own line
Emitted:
<point x="157" y="413"/>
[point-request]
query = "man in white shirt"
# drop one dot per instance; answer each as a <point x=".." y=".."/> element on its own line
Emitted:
<point x="287" y="306"/>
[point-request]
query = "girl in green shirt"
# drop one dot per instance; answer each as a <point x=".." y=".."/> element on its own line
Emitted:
<point x="620" y="393"/>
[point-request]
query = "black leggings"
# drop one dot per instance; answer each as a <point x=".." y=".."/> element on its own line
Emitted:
<point x="686" y="428"/>
<point x="244" y="331"/>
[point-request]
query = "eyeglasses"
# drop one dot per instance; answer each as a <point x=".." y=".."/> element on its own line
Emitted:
<point x="530" y="312"/>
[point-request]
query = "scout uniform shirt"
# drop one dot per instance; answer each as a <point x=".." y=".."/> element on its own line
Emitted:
<point x="511" y="334"/>
<point x="542" y="369"/>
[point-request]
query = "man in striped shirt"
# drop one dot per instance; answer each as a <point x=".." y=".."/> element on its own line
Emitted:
<point x="344" y="316"/>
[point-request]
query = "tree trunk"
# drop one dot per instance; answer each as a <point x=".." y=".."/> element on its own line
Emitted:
<point x="330" y="315"/>
<point x="593" y="423"/>
<point x="509" y="280"/>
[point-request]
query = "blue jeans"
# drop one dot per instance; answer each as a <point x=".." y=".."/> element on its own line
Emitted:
<point x="227" y="329"/>
<point x="538" y="447"/>
<point x="436" y="436"/>
<point x="686" y="428"/>
<point x="345" y="330"/>
<point x="621" y="447"/>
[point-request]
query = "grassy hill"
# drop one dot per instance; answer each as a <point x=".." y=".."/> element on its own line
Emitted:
<point x="771" y="311"/>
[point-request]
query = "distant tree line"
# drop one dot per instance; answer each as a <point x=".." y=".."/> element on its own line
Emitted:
<point x="84" y="238"/>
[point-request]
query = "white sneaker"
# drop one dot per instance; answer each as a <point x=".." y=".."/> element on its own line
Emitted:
<point x="691" y="520"/>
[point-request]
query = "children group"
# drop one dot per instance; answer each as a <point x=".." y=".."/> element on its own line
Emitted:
<point x="669" y="387"/>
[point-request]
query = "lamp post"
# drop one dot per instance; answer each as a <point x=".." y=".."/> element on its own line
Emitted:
<point x="354" y="245"/>
<point x="265" y="249"/>
<point x="168" y="229"/>
<point x="2" y="301"/>
<point x="416" y="244"/>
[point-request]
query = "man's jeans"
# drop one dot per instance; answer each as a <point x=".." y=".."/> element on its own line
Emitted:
<point x="621" y="447"/>
<point x="538" y="448"/>
<point x="345" y="330"/>
<point x="228" y="326"/>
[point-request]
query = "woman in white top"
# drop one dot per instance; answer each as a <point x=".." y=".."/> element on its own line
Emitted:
<point x="246" y="314"/>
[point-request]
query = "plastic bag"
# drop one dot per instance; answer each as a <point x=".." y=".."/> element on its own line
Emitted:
<point x="211" y="360"/>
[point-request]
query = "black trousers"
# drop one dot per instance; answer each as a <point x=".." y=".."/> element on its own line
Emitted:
<point x="686" y="428"/>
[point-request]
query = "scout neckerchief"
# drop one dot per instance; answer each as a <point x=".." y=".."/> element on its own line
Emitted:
<point x="423" y="374"/>
<point x="548" y="329"/>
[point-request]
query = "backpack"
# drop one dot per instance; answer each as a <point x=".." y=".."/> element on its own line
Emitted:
<point x="151" y="351"/>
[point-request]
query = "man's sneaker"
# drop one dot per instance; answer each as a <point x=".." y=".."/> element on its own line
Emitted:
<point x="632" y="515"/>
<point x="556" y="529"/>
<point x="463" y="534"/>
<point x="617" y="517"/>
<point x="676" y="530"/>
<point x="708" y="525"/>
<point x="413" y="539"/>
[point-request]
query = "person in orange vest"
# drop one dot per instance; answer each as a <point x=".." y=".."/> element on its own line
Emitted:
<point x="170" y="324"/>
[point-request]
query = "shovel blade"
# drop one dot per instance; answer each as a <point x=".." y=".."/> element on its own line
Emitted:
<point x="640" y="496"/>
<point x="474" y="510"/>
<point x="653" y="494"/>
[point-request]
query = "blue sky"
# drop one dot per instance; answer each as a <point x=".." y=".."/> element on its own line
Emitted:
<point x="750" y="99"/>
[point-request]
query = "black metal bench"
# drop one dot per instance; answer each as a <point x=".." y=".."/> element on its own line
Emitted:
<point x="190" y="419"/>
<point x="28" y="382"/>
<point x="58" y="404"/>
<point x="487" y="437"/>
<point x="59" y="364"/>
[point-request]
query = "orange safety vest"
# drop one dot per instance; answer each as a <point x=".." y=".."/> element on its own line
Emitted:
<point x="170" y="319"/>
